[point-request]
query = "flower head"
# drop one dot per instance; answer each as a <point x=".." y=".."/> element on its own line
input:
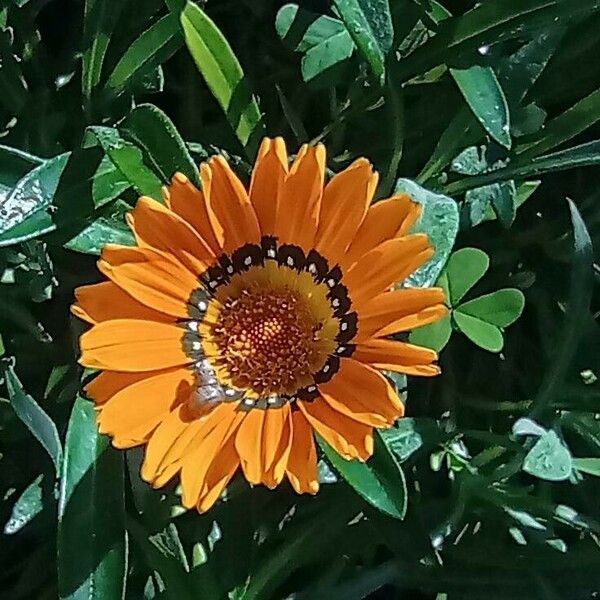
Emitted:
<point x="245" y="321"/>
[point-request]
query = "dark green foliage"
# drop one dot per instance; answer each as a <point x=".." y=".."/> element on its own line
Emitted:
<point x="487" y="114"/>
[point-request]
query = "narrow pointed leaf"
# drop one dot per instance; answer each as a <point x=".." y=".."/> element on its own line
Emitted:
<point x="92" y="543"/>
<point x="380" y="481"/>
<point x="370" y="25"/>
<point x="129" y="159"/>
<point x="151" y="130"/>
<point x="481" y="89"/>
<point x="578" y="307"/>
<point x="34" y="417"/>
<point x="152" y="48"/>
<point x="28" y="505"/>
<point x="591" y="466"/>
<point x="223" y="74"/>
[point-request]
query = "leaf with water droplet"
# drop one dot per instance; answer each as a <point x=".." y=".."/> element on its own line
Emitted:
<point x="370" y="25"/>
<point x="28" y="505"/>
<point x="549" y="459"/>
<point x="481" y="89"/>
<point x="439" y="220"/>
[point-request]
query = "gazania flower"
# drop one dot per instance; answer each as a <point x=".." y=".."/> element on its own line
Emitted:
<point x="245" y="321"/>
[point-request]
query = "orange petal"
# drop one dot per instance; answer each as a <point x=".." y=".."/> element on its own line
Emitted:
<point x="397" y="356"/>
<point x="219" y="473"/>
<point x="218" y="427"/>
<point x="166" y="434"/>
<point x="298" y="212"/>
<point x="387" y="264"/>
<point x="172" y="459"/>
<point x="227" y="199"/>
<point x="132" y="345"/>
<point x="349" y="438"/>
<point x="302" y="462"/>
<point x="184" y="198"/>
<point x="133" y="413"/>
<point x="157" y="227"/>
<point x="361" y="393"/>
<point x="276" y="471"/>
<point x="258" y="439"/>
<point x="384" y="220"/>
<point x="168" y="473"/>
<point x="268" y="177"/>
<point x="400" y="310"/>
<point x="248" y="443"/>
<point x="346" y="199"/>
<point x="106" y="300"/>
<point x="107" y="383"/>
<point x="152" y="278"/>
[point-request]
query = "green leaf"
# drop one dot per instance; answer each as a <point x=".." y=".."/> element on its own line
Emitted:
<point x="497" y="22"/>
<point x="319" y="61"/>
<point x="380" y="481"/>
<point x="100" y="17"/>
<point x="465" y="268"/>
<point x="571" y="158"/>
<point x="483" y="334"/>
<point x="523" y="192"/>
<point x="223" y="75"/>
<point x="28" y="505"/>
<point x="435" y="335"/>
<point x="76" y="184"/>
<point x="151" y="49"/>
<point x="500" y="308"/>
<point x="27" y="201"/>
<point x="549" y="459"/>
<point x="163" y="147"/>
<point x="34" y="417"/>
<point x="525" y="519"/>
<point x="566" y="126"/>
<point x="439" y="220"/>
<point x="302" y="30"/>
<point x="92" y="545"/>
<point x="14" y="164"/>
<point x="471" y="161"/>
<point x="504" y="202"/>
<point x="520" y="70"/>
<point x="578" y="307"/>
<point x="409" y="435"/>
<point x="109" y="227"/>
<point x="129" y="159"/>
<point x="525" y="426"/>
<point x="481" y="89"/>
<point x="370" y="25"/>
<point x="591" y="466"/>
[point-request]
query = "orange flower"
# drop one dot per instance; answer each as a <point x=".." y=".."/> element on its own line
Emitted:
<point x="244" y="321"/>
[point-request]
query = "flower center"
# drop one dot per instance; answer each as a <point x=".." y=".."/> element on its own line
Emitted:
<point x="268" y="326"/>
<point x="268" y="340"/>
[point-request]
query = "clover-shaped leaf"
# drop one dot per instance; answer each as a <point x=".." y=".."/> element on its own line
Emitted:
<point x="484" y="335"/>
<point x="501" y="308"/>
<point x="465" y="268"/>
<point x="482" y="319"/>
